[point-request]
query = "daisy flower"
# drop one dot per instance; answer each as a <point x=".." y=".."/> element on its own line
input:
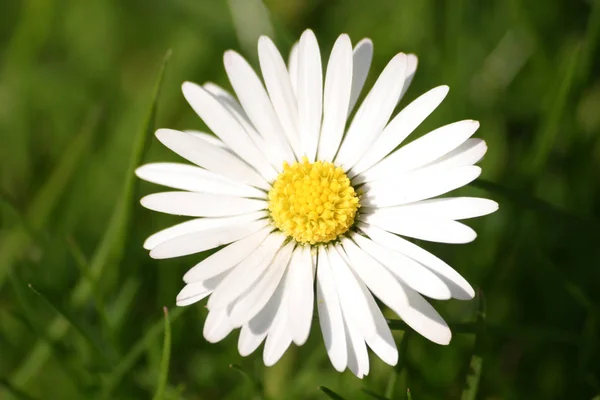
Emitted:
<point x="304" y="204"/>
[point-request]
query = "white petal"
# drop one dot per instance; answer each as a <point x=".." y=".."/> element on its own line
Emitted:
<point x="382" y="343"/>
<point x="423" y="318"/>
<point x="227" y="128"/>
<point x="254" y="299"/>
<point x="424" y="228"/>
<point x="377" y="278"/>
<point x="411" y="68"/>
<point x="409" y="271"/>
<point x="426" y="149"/>
<point x="214" y="158"/>
<point x="459" y="287"/>
<point x="246" y="273"/>
<point x="197" y="242"/>
<point x="201" y="204"/>
<point x="338" y="83"/>
<point x="207" y="137"/>
<point x="418" y="185"/>
<point x="227" y="257"/>
<point x="194" y="179"/>
<point x="293" y="67"/>
<point x="358" y="358"/>
<point x="403" y="124"/>
<point x="374" y="113"/>
<point x="196" y="291"/>
<point x="309" y="94"/>
<point x="256" y="103"/>
<point x="198" y="225"/>
<point x="468" y="153"/>
<point x="231" y="104"/>
<point x="299" y="285"/>
<point x="280" y="90"/>
<point x="353" y="302"/>
<point x="330" y="314"/>
<point x="255" y="331"/>
<point x="217" y="326"/>
<point x="279" y="337"/>
<point x="361" y="62"/>
<point x="445" y="208"/>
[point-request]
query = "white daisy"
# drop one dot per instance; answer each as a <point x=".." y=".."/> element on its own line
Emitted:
<point x="295" y="190"/>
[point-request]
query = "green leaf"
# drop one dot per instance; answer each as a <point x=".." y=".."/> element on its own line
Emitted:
<point x="408" y="394"/>
<point x="46" y="199"/>
<point x="166" y="356"/>
<point x="330" y="393"/>
<point x="374" y="395"/>
<point x="256" y="383"/>
<point x="129" y="360"/>
<point x="476" y="363"/>
<point x="110" y="249"/>
<point x="400" y="365"/>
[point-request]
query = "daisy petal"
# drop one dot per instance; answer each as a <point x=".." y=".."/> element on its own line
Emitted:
<point x="338" y="82"/>
<point x="373" y="113"/>
<point x="358" y="358"/>
<point x="227" y="257"/>
<point x="203" y="152"/>
<point x="468" y="153"/>
<point x="411" y="68"/>
<point x="280" y="90"/>
<point x="423" y="318"/>
<point x="444" y="208"/>
<point x="279" y="337"/>
<point x="353" y="302"/>
<point x="197" y="242"/>
<point x="198" y="225"/>
<point x="246" y="273"/>
<point x="255" y="331"/>
<point x="309" y="94"/>
<point x="403" y="124"/>
<point x="207" y="137"/>
<point x="361" y="62"/>
<point x="256" y="103"/>
<point x="201" y="204"/>
<point x="217" y="326"/>
<point x="416" y="186"/>
<point x="424" y="228"/>
<point x="330" y="314"/>
<point x="194" y="179"/>
<point x="459" y="287"/>
<point x="426" y="149"/>
<point x="196" y="291"/>
<point x="408" y="270"/>
<point x="300" y="288"/>
<point x="382" y="343"/>
<point x="226" y="127"/>
<point x="251" y="302"/>
<point x="293" y="67"/>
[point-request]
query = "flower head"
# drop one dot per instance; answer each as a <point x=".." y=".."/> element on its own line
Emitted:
<point x="297" y="191"/>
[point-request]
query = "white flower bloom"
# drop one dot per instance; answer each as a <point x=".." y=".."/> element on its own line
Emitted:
<point x="295" y="191"/>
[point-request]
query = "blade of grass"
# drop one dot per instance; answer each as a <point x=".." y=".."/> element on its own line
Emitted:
<point x="14" y="391"/>
<point x="256" y="383"/>
<point x="72" y="322"/>
<point x="408" y="395"/>
<point x="110" y="249"/>
<point x="475" y="366"/>
<point x="129" y="360"/>
<point x="374" y="395"/>
<point x="40" y="209"/>
<point x="166" y="356"/>
<point x="330" y="393"/>
<point x="397" y="370"/>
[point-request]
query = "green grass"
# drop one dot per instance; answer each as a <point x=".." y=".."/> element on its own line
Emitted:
<point x="81" y="303"/>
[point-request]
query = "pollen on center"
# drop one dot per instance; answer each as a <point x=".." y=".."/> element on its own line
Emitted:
<point x="313" y="202"/>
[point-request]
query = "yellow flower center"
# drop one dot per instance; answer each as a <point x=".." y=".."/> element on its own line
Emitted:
<point x="313" y="202"/>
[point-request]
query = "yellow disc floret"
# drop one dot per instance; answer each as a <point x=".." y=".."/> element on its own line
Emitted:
<point x="313" y="202"/>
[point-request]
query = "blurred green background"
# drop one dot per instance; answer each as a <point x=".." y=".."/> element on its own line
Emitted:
<point x="81" y="302"/>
